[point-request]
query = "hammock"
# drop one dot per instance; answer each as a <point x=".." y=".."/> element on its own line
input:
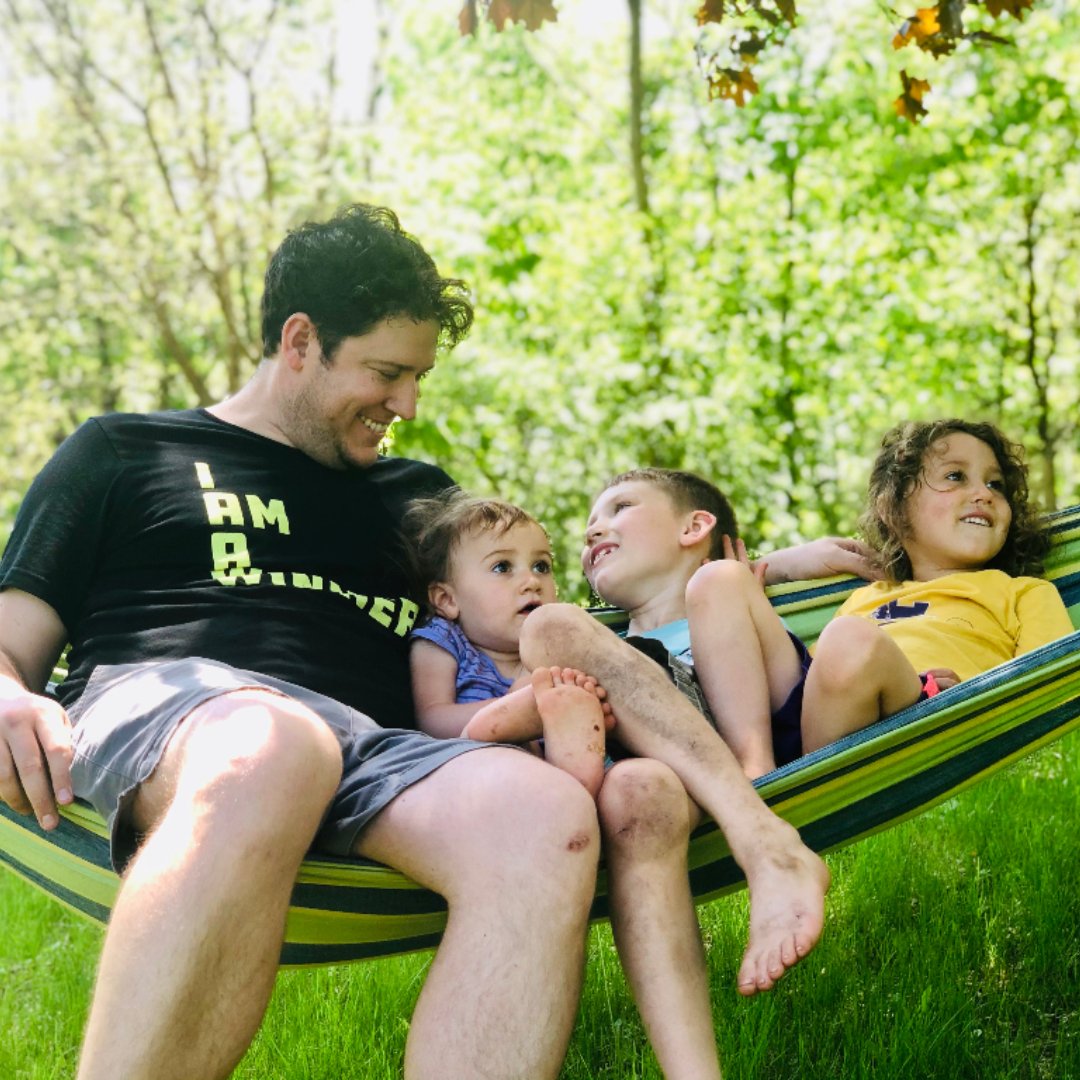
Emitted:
<point x="345" y="910"/>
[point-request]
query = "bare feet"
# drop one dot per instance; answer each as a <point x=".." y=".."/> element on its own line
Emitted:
<point x="574" y="723"/>
<point x="787" y="912"/>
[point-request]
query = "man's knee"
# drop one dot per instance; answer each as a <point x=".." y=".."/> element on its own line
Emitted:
<point x="644" y="809"/>
<point x="249" y="753"/>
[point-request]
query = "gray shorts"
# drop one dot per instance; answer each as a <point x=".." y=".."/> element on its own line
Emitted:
<point x="127" y="714"/>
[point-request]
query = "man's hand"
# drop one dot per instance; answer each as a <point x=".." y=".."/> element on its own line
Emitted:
<point x="35" y="753"/>
<point x="826" y="557"/>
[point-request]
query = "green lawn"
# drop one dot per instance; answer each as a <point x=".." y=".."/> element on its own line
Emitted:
<point x="952" y="950"/>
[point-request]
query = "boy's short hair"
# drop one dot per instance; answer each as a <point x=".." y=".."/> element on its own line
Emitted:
<point x="689" y="492"/>
<point x="354" y="271"/>
<point x="898" y="470"/>
<point x="435" y="526"/>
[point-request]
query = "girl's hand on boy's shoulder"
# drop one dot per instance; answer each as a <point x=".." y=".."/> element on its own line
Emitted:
<point x="827" y="557"/>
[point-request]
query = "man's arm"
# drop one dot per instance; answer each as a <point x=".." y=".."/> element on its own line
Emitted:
<point x="35" y="733"/>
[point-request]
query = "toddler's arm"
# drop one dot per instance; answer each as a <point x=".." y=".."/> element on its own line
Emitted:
<point x="434" y="684"/>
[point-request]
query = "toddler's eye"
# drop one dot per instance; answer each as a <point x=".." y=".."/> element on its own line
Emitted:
<point x="501" y="567"/>
<point x="542" y="566"/>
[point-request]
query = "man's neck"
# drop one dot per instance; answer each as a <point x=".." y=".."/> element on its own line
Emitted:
<point x="253" y="406"/>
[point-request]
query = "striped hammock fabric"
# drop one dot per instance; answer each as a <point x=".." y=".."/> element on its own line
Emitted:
<point x="351" y="910"/>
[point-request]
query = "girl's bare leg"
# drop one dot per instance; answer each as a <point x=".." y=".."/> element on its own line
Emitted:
<point x="858" y="676"/>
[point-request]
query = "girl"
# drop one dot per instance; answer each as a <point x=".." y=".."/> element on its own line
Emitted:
<point x="948" y="514"/>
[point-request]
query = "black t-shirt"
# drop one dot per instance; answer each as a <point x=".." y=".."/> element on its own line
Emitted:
<point x="175" y="534"/>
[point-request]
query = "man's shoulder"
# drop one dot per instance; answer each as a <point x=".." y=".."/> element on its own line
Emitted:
<point x="419" y="477"/>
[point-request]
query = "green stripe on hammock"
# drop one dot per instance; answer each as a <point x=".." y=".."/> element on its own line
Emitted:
<point x="346" y="910"/>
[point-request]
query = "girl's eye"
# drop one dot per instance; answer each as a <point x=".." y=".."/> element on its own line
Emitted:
<point x="996" y="485"/>
<point x="955" y="475"/>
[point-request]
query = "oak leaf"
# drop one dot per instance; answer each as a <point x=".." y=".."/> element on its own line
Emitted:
<point x="732" y="84"/>
<point x="711" y="11"/>
<point x="1015" y="8"/>
<point x="909" y="104"/>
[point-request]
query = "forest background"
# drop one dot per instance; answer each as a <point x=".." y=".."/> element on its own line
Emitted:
<point x="756" y="294"/>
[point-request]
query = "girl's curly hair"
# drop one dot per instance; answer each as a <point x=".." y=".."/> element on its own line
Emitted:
<point x="898" y="470"/>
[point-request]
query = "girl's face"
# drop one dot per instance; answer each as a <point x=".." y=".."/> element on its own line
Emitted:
<point x="496" y="579"/>
<point x="958" y="514"/>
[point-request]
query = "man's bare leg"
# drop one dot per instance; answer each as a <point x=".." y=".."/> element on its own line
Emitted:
<point x="512" y="844"/>
<point x="573" y="724"/>
<point x="858" y="676"/>
<point x="752" y="665"/>
<point x="193" y="943"/>
<point x="646" y="818"/>
<point x="787" y="881"/>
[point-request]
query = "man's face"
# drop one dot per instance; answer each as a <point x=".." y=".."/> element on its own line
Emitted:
<point x="341" y="411"/>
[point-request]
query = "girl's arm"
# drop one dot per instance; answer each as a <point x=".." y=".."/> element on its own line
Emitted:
<point x="1042" y="616"/>
<point x="434" y="684"/>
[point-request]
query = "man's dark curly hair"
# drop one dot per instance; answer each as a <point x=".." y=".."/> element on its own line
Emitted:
<point x="899" y="469"/>
<point x="350" y="273"/>
<point x="688" y="492"/>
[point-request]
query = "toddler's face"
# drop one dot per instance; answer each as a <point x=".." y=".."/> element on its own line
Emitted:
<point x="958" y="514"/>
<point x="496" y="579"/>
<point x="631" y="540"/>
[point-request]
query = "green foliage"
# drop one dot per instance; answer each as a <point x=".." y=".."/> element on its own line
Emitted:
<point x="808" y="270"/>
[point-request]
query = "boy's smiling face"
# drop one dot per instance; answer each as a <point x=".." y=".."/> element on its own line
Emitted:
<point x="633" y="543"/>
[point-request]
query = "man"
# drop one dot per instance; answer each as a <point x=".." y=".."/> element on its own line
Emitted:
<point x="234" y="592"/>
<point x="260" y="534"/>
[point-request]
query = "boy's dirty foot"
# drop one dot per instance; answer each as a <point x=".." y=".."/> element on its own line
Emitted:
<point x="787" y="913"/>
<point x="573" y="724"/>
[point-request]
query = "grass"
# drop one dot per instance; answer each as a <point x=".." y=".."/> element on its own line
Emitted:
<point x="952" y="950"/>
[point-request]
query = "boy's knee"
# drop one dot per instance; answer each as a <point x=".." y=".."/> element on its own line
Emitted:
<point x="717" y="575"/>
<point x="643" y="808"/>
<point x="557" y="635"/>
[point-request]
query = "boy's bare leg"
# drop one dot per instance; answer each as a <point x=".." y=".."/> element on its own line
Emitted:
<point x="746" y="663"/>
<point x="193" y="943"/>
<point x="787" y="881"/>
<point x="512" y="844"/>
<point x="573" y="724"/>
<point x="645" y="819"/>
<point x="858" y="676"/>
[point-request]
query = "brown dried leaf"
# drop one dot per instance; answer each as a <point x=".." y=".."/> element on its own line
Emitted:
<point x="909" y="104"/>
<point x="468" y="20"/>
<point x="1015" y="8"/>
<point x="732" y="84"/>
<point x="711" y="11"/>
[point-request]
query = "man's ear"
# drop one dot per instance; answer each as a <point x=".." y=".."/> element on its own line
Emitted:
<point x="298" y="340"/>
<point x="697" y="528"/>
<point x="442" y="599"/>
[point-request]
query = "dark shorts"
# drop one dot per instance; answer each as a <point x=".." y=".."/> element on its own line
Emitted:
<point x="786" y="721"/>
<point x="127" y="714"/>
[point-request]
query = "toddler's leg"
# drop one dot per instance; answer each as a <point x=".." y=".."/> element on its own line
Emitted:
<point x="858" y="676"/>
<point x="743" y="659"/>
<point x="573" y="722"/>
<point x="510" y="719"/>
